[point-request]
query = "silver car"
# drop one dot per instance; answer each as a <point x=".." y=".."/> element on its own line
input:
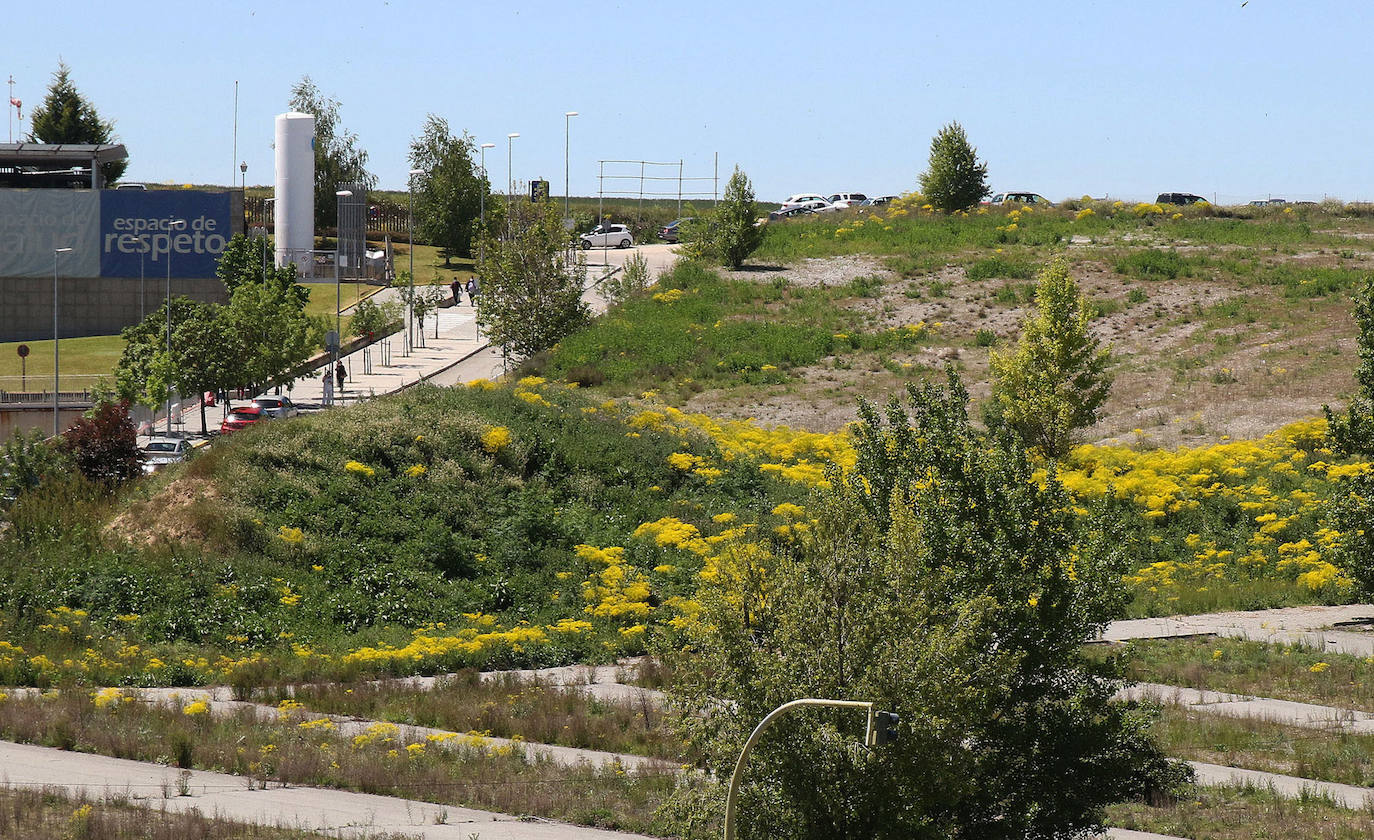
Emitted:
<point x="161" y="451"/>
<point x="278" y="408"/>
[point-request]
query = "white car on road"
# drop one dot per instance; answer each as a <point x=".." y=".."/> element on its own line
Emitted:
<point x="161" y="451"/>
<point x="608" y="236"/>
<point x="802" y="198"/>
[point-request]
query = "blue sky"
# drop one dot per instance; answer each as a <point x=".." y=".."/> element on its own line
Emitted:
<point x="1126" y="99"/>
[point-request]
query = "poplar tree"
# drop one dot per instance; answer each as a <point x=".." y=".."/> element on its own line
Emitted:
<point x="1056" y="380"/>
<point x="954" y="178"/>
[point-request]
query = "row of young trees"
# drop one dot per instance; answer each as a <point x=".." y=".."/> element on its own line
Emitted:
<point x="252" y="341"/>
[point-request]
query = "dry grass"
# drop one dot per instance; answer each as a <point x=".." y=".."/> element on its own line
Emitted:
<point x="1328" y="755"/>
<point x="533" y="710"/>
<point x="50" y="815"/>
<point x="1244" y="814"/>
<point x="465" y="771"/>
<point x="1283" y="672"/>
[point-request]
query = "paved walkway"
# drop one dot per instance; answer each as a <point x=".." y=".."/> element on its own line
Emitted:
<point x="1288" y="623"/>
<point x="1287" y="712"/>
<point x="219" y="795"/>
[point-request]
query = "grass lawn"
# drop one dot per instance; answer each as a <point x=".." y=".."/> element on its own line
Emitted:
<point x="84" y="361"/>
<point x="1280" y="671"/>
<point x="429" y="266"/>
<point x="1228" y="813"/>
<point x="1328" y="755"/>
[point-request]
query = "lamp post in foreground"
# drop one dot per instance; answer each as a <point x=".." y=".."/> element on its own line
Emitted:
<point x="172" y="225"/>
<point x="410" y="225"/>
<point x="340" y="195"/>
<point x="884" y="733"/>
<point x="510" y="173"/>
<point x="56" y="378"/>
<point x="567" y="146"/>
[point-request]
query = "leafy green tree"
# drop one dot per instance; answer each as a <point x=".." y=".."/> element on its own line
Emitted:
<point x="26" y="461"/>
<point x="207" y="354"/>
<point x="531" y="297"/>
<point x="249" y="260"/>
<point x="954" y="178"/>
<point x="449" y="190"/>
<point x="1056" y="380"/>
<point x="630" y="281"/>
<point x="141" y="373"/>
<point x="338" y="159"/>
<point x="373" y="318"/>
<point x="272" y="332"/>
<point x="945" y="580"/>
<point x="1352" y="431"/>
<point x="68" y="117"/>
<point x="731" y="232"/>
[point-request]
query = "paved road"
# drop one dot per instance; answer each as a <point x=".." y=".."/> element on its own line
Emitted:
<point x="1279" y="625"/>
<point x="1287" y="712"/>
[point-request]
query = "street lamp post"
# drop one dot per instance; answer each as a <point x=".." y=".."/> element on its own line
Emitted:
<point x="142" y="249"/>
<point x="243" y="175"/>
<point x="172" y="225"/>
<point x="410" y="299"/>
<point x="482" y="213"/>
<point x="56" y="378"/>
<point x="510" y="174"/>
<point x="567" y="147"/>
<point x="340" y="195"/>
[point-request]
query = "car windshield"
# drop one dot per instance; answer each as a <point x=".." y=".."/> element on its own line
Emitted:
<point x="160" y="446"/>
<point x="268" y="403"/>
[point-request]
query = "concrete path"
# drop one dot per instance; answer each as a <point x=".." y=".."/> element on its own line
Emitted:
<point x="1259" y="625"/>
<point x="219" y="795"/>
<point x="1287" y="712"/>
<point x="1290" y="787"/>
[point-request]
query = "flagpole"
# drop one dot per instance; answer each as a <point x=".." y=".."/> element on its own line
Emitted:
<point x="10" y="105"/>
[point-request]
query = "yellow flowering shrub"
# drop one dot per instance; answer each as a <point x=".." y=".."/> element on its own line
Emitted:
<point x="495" y="438"/>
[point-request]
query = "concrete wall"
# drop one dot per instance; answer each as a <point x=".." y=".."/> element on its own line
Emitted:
<point x="87" y="306"/>
<point x="21" y="419"/>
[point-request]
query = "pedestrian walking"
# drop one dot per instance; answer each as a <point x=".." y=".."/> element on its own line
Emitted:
<point x="457" y="288"/>
<point x="328" y="381"/>
<point x="472" y="289"/>
<point x="340" y="374"/>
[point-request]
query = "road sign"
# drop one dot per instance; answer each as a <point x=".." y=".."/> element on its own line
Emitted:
<point x="539" y="190"/>
<point x="331" y="341"/>
<point x="23" y="350"/>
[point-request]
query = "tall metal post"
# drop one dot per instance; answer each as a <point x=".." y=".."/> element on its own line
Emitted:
<point x="410" y="229"/>
<point x="733" y="796"/>
<point x="510" y="173"/>
<point x="339" y="196"/>
<point x="486" y="187"/>
<point x="56" y="366"/>
<point x="567" y="146"/>
<point x="172" y="225"/>
<point x="142" y="308"/>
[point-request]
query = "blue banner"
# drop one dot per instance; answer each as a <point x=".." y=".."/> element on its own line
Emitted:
<point x="138" y="231"/>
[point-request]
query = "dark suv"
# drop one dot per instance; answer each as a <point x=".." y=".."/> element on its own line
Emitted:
<point x="1181" y="199"/>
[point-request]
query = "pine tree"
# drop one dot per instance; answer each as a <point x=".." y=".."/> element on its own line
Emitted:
<point x="731" y="232"/>
<point x="68" y="117"/>
<point x="954" y="179"/>
<point x="1057" y="379"/>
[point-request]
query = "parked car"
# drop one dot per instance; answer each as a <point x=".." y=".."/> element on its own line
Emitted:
<point x="841" y="201"/>
<point x="607" y="236"/>
<point x="1267" y="202"/>
<point x="1181" y="199"/>
<point x="1031" y="198"/>
<point x="161" y="451"/>
<point x="879" y="200"/>
<point x="671" y="231"/>
<point x="800" y="199"/>
<point x="279" y="408"/>
<point x="790" y="213"/>
<point x="241" y="417"/>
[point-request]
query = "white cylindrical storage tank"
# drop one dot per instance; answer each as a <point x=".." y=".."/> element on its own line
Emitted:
<point x="295" y="193"/>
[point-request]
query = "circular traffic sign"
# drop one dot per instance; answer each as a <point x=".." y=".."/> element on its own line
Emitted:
<point x="23" y="350"/>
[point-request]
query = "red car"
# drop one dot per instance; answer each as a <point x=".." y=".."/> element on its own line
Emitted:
<point x="242" y="417"/>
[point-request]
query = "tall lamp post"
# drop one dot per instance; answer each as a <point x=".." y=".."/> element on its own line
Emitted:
<point x="142" y="249"/>
<point x="243" y="175"/>
<point x="172" y="225"/>
<point x="56" y="379"/>
<point x="340" y="195"/>
<point x="410" y="225"/>
<point x="482" y="213"/>
<point x="510" y="174"/>
<point x="567" y="147"/>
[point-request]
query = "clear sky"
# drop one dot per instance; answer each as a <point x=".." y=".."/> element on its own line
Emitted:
<point x="1063" y="98"/>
